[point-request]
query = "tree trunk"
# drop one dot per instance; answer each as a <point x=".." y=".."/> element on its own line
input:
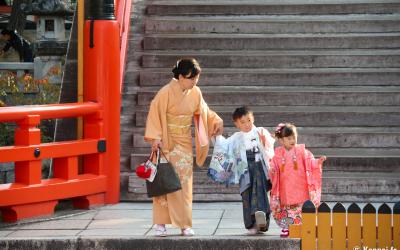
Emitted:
<point x="17" y="17"/>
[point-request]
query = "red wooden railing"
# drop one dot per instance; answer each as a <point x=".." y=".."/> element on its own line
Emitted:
<point x="97" y="182"/>
<point x="31" y="196"/>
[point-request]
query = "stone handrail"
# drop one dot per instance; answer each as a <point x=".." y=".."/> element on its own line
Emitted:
<point x="16" y="65"/>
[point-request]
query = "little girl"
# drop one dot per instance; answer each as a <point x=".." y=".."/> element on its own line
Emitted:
<point x="244" y="158"/>
<point x="296" y="177"/>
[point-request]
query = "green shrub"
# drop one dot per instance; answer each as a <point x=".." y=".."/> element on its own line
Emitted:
<point x="25" y="90"/>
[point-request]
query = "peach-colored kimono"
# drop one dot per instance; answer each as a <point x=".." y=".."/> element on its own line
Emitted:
<point x="170" y="120"/>
<point x="296" y="177"/>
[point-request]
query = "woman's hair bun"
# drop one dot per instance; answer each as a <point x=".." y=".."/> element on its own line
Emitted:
<point x="187" y="67"/>
<point x="175" y="70"/>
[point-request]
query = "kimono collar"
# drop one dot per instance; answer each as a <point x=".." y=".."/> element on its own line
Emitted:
<point x="281" y="150"/>
<point x="241" y="135"/>
<point x="253" y="130"/>
<point x="177" y="88"/>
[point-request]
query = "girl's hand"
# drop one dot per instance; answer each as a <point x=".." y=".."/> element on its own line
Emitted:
<point x="322" y="159"/>
<point x="155" y="145"/>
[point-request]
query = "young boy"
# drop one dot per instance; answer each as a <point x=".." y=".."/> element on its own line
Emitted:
<point x="243" y="158"/>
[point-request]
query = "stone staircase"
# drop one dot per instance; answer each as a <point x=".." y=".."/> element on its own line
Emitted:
<point x="331" y="67"/>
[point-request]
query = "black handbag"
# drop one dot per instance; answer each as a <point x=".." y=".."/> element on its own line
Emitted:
<point x="166" y="180"/>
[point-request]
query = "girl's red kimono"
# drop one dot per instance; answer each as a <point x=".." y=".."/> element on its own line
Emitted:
<point x="296" y="177"/>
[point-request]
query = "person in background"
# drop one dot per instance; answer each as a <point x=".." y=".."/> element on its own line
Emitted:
<point x="18" y="43"/>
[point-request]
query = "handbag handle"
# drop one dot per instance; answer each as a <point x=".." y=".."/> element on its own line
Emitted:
<point x="151" y="157"/>
<point x="158" y="155"/>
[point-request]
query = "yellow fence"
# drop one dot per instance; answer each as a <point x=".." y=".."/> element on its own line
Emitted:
<point x="355" y="229"/>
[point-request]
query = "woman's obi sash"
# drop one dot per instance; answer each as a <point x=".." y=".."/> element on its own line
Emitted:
<point x="179" y="125"/>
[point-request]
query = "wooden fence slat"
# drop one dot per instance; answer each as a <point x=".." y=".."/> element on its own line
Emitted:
<point x="324" y="227"/>
<point x="308" y="230"/>
<point x="369" y="226"/>
<point x="353" y="226"/>
<point x="294" y="231"/>
<point x="366" y="230"/>
<point x="339" y="227"/>
<point x="384" y="226"/>
<point x="396" y="225"/>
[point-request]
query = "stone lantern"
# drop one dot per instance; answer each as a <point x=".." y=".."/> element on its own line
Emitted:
<point x="51" y="41"/>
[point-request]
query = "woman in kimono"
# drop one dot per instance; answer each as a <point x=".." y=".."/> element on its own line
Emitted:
<point x="296" y="177"/>
<point x="168" y="127"/>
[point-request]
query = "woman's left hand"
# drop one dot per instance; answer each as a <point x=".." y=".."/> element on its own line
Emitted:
<point x="218" y="128"/>
<point x="155" y="145"/>
<point x="322" y="159"/>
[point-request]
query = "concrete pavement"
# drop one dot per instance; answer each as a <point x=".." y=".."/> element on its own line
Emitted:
<point x="132" y="219"/>
<point x="217" y="225"/>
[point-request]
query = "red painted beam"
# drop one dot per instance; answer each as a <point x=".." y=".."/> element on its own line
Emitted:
<point x="9" y="114"/>
<point x="48" y="150"/>
<point x="52" y="189"/>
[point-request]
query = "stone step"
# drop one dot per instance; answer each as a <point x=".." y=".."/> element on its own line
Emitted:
<point x="322" y="137"/>
<point x="350" y="186"/>
<point x="130" y="89"/>
<point x="344" y="39"/>
<point x="128" y="110"/>
<point x="303" y="116"/>
<point x="339" y="159"/>
<point x="352" y="197"/>
<point x="370" y="153"/>
<point x="262" y="7"/>
<point x="271" y="41"/>
<point x="129" y="101"/>
<point x="361" y="186"/>
<point x="201" y="185"/>
<point x="285" y="96"/>
<point x="278" y="77"/>
<point x="273" y="24"/>
<point x="127" y="121"/>
<point x="280" y="59"/>
<point x="122" y="238"/>
<point x="333" y="182"/>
